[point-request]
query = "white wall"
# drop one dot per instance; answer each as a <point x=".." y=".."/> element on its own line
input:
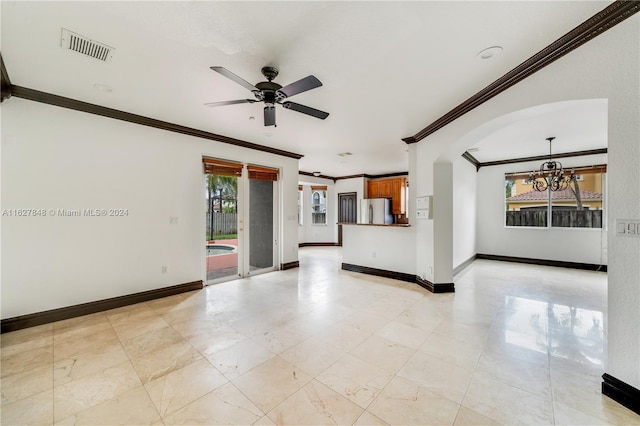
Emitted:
<point x="378" y="247"/>
<point x="54" y="158"/>
<point x="422" y="157"/>
<point x="623" y="178"/>
<point x="464" y="211"/>
<point x="567" y="244"/>
<point x="308" y="232"/>
<point x="606" y="67"/>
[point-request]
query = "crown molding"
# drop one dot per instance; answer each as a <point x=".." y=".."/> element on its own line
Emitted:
<point x="300" y="172"/>
<point x="542" y="157"/>
<point x="470" y="158"/>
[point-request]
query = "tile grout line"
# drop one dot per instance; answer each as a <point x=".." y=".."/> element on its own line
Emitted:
<point x="475" y="367"/>
<point x="131" y="362"/>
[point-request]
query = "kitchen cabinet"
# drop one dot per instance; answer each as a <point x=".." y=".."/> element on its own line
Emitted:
<point x="399" y="191"/>
<point x="394" y="188"/>
<point x="386" y="188"/>
<point x="382" y="188"/>
<point x="373" y="189"/>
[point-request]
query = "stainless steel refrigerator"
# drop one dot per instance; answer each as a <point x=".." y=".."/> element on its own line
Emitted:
<point x="376" y="211"/>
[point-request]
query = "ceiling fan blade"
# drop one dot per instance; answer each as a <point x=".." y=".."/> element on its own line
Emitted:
<point x="231" y="76"/>
<point x="269" y="116"/>
<point x="239" y="101"/>
<point x="306" y="110"/>
<point x="300" y="86"/>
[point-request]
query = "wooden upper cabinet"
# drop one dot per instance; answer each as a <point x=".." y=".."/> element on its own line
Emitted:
<point x="399" y="191"/>
<point x="373" y="189"/>
<point x="394" y="188"/>
<point x="386" y="188"/>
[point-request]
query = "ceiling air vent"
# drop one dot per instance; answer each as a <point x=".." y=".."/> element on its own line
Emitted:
<point x="88" y="47"/>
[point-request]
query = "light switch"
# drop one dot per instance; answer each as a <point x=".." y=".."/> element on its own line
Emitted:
<point x="628" y="227"/>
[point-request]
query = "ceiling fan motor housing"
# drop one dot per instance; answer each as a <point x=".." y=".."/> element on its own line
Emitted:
<point x="268" y="91"/>
<point x="269" y="72"/>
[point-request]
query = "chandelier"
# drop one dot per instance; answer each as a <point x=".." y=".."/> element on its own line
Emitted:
<point x="551" y="175"/>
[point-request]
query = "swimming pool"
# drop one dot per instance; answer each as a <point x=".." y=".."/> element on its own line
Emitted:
<point x="216" y="249"/>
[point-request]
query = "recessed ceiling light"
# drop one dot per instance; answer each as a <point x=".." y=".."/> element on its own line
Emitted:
<point x="345" y="154"/>
<point x="489" y="52"/>
<point x="252" y="118"/>
<point x="103" y="88"/>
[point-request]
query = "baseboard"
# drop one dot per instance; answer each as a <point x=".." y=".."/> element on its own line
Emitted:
<point x="45" y="317"/>
<point x="621" y="392"/>
<point x="463" y="265"/>
<point x="289" y="265"/>
<point x="318" y="245"/>
<point x="436" y="287"/>
<point x="379" y="272"/>
<point x="544" y="262"/>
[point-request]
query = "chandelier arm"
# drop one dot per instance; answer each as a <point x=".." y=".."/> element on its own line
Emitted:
<point x="551" y="174"/>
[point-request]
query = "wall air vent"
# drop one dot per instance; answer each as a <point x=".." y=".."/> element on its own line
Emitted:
<point x="88" y="47"/>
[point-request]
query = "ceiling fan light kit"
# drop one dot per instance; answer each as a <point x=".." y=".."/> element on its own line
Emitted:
<point x="272" y="93"/>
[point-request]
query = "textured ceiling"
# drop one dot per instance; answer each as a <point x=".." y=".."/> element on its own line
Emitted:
<point x="388" y="68"/>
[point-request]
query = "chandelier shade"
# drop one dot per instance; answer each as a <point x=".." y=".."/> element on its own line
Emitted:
<point x="551" y="175"/>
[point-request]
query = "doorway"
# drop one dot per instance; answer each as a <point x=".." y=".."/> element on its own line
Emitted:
<point x="347" y="211"/>
<point x="261" y="236"/>
<point x="222" y="249"/>
<point x="241" y="220"/>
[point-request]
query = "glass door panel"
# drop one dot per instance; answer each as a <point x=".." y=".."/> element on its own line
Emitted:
<point x="221" y="227"/>
<point x="261" y="225"/>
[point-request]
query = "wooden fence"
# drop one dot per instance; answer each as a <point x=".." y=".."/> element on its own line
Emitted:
<point x="559" y="218"/>
<point x="223" y="223"/>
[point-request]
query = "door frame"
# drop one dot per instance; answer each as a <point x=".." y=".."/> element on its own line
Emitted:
<point x="243" y="217"/>
<point x="246" y="238"/>
<point x="240" y="239"/>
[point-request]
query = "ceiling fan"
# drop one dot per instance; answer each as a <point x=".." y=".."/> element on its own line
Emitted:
<point x="272" y="93"/>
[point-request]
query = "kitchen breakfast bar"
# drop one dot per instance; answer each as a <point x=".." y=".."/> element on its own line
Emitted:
<point x="379" y="249"/>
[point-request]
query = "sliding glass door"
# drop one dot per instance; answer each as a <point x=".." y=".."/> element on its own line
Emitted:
<point x="222" y="248"/>
<point x="241" y="220"/>
<point x="261" y="239"/>
<point x="262" y="212"/>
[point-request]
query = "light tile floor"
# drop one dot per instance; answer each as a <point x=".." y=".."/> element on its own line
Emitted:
<point x="516" y="344"/>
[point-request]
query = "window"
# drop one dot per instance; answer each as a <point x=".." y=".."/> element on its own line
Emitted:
<point x="300" y="215"/>
<point x="581" y="205"/>
<point x="319" y="205"/>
